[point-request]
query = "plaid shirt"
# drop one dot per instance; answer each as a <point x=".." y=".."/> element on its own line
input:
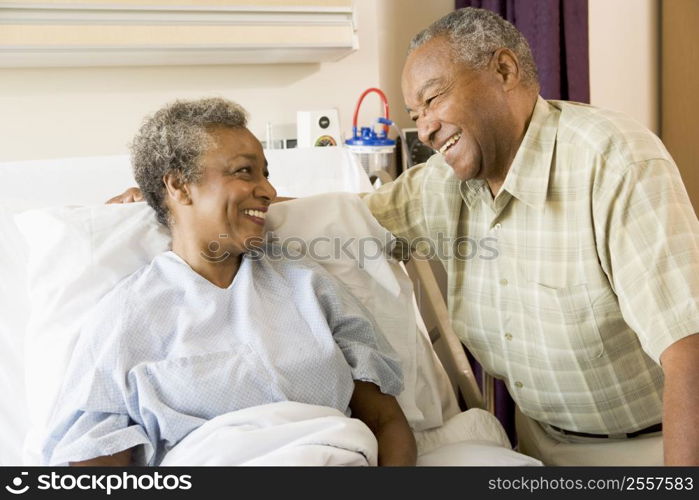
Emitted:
<point x="571" y="282"/>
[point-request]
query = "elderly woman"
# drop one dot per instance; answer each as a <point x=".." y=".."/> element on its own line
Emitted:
<point x="210" y="327"/>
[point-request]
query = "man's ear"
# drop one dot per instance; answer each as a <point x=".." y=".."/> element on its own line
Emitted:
<point x="177" y="189"/>
<point x="507" y="67"/>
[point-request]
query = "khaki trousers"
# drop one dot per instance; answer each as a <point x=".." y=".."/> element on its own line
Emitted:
<point x="533" y="440"/>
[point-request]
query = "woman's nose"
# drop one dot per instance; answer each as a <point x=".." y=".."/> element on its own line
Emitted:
<point x="264" y="189"/>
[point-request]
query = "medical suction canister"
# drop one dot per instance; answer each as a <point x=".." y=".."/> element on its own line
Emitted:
<point x="375" y="150"/>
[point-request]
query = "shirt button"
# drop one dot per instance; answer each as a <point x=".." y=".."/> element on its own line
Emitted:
<point x="498" y="226"/>
<point x="508" y="336"/>
<point x="503" y="282"/>
<point x="519" y="384"/>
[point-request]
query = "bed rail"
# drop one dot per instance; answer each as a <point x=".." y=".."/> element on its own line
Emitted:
<point x="444" y="341"/>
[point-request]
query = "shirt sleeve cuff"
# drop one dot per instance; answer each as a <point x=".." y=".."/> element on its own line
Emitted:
<point x="98" y="436"/>
<point x="657" y="346"/>
<point x="369" y="365"/>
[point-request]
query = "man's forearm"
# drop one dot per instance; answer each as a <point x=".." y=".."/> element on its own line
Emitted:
<point x="681" y="402"/>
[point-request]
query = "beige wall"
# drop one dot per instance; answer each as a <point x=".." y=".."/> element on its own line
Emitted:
<point x="680" y="89"/>
<point x="643" y="62"/>
<point x="624" y="57"/>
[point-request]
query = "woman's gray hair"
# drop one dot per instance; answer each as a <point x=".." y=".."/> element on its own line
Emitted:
<point x="173" y="139"/>
<point x="475" y="34"/>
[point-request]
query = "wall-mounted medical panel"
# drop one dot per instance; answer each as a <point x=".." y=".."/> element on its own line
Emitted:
<point x="174" y="32"/>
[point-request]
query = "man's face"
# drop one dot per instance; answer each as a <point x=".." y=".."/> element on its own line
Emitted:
<point x="233" y="194"/>
<point x="458" y="111"/>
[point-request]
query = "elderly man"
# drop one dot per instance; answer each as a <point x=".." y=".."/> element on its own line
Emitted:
<point x="589" y="312"/>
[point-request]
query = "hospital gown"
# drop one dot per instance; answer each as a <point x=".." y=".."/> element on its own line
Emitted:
<point x="166" y="350"/>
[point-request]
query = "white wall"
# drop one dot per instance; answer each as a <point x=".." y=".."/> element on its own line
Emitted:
<point x="58" y="112"/>
<point x="624" y="57"/>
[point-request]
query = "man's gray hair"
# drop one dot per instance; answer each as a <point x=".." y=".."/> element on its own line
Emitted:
<point x="475" y="34"/>
<point x="173" y="140"/>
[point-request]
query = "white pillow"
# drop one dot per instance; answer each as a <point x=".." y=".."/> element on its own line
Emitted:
<point x="13" y="318"/>
<point x="77" y="254"/>
<point x="346" y="239"/>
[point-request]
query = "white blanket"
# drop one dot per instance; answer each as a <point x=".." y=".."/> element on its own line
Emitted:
<point x="278" y="434"/>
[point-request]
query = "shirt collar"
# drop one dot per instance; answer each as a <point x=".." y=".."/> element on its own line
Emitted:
<point x="528" y="176"/>
<point x="471" y="191"/>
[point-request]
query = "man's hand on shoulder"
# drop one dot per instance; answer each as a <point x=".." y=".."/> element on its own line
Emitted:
<point x="279" y="199"/>
<point x="129" y="196"/>
<point x="134" y="194"/>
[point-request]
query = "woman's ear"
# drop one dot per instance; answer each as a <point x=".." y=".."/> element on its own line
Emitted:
<point x="177" y="189"/>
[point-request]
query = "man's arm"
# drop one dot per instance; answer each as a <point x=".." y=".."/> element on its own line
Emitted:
<point x="382" y="414"/>
<point x="134" y="194"/>
<point x="680" y="364"/>
<point x="129" y="196"/>
<point x="121" y="459"/>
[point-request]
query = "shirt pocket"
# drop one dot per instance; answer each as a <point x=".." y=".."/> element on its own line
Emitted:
<point x="563" y="320"/>
<point x="211" y="384"/>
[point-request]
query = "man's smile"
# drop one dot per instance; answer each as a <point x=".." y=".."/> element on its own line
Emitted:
<point x="450" y="142"/>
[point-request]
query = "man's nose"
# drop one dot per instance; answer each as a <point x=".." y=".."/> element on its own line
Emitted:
<point x="426" y="128"/>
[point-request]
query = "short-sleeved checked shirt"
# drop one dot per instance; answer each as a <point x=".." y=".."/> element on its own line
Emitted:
<point x="571" y="282"/>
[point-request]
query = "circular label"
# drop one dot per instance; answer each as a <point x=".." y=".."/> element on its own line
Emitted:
<point x="324" y="122"/>
<point x="325" y="140"/>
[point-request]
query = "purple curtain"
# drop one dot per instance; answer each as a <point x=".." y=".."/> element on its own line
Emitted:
<point x="557" y="34"/>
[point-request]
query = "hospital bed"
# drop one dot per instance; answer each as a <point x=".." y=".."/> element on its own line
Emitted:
<point x="62" y="248"/>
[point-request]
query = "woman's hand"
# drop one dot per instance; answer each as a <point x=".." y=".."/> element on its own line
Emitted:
<point x="382" y="414"/>
<point x="129" y="196"/>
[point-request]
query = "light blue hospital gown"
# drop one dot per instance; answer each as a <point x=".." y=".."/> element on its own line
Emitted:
<point x="166" y="350"/>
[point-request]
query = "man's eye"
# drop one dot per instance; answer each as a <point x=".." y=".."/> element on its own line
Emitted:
<point x="243" y="170"/>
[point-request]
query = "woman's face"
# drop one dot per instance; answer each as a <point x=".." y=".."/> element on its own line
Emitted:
<point x="231" y="199"/>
